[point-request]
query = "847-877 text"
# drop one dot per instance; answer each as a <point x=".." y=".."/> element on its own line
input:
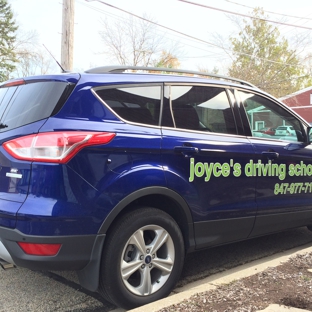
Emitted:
<point x="293" y="188"/>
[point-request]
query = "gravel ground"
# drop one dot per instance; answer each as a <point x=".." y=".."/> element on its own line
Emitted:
<point x="288" y="284"/>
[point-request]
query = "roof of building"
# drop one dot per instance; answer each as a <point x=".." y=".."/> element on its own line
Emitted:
<point x="295" y="93"/>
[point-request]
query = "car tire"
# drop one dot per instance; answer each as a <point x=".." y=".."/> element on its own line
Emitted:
<point x="142" y="258"/>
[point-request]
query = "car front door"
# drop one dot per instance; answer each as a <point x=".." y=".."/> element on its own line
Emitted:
<point x="283" y="166"/>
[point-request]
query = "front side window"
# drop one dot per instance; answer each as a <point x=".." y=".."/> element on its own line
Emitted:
<point x="139" y="104"/>
<point x="269" y="120"/>
<point x="199" y="108"/>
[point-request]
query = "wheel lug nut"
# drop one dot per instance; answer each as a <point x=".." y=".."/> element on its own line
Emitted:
<point x="142" y="266"/>
<point x="150" y="265"/>
<point x="141" y="257"/>
<point x="147" y="251"/>
<point x="153" y="256"/>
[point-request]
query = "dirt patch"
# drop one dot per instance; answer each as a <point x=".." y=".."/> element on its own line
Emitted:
<point x="288" y="284"/>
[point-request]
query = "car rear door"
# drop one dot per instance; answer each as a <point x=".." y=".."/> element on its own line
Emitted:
<point x="203" y="159"/>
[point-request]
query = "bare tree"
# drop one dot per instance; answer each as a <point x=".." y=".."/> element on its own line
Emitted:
<point x="34" y="63"/>
<point x="32" y="58"/>
<point x="133" y="42"/>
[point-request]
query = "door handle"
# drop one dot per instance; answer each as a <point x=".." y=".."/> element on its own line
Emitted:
<point x="270" y="155"/>
<point x="187" y="151"/>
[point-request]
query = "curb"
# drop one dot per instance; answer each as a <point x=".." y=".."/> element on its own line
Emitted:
<point x="278" y="308"/>
<point x="226" y="277"/>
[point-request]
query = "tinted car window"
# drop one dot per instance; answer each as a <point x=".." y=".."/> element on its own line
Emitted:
<point x="200" y="108"/>
<point x="5" y="96"/>
<point x="136" y="104"/>
<point x="29" y="102"/>
<point x="262" y="112"/>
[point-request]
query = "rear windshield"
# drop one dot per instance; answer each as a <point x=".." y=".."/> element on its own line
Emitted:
<point x="24" y="104"/>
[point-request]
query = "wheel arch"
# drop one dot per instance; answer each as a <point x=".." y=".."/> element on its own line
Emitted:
<point x="161" y="198"/>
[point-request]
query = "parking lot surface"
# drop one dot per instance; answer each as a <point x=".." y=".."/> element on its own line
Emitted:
<point x="26" y="290"/>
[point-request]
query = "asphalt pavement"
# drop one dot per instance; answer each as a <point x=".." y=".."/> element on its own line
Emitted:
<point x="25" y="290"/>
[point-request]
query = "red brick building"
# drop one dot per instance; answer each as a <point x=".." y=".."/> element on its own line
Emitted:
<point x="300" y="102"/>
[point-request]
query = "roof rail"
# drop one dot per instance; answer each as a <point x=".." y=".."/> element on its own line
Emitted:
<point x="121" y="69"/>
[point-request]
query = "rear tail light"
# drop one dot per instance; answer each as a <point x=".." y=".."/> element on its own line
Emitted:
<point x="56" y="147"/>
<point x="40" y="249"/>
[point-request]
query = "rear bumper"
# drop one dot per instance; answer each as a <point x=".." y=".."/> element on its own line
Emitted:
<point x="74" y="254"/>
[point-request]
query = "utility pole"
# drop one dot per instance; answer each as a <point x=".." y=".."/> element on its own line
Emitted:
<point x="67" y="48"/>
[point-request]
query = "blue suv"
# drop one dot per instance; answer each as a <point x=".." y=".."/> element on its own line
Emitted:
<point x="118" y="172"/>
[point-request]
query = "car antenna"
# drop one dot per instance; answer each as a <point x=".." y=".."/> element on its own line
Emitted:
<point x="63" y="70"/>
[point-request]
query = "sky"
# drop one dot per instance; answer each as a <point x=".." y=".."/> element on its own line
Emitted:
<point x="205" y="24"/>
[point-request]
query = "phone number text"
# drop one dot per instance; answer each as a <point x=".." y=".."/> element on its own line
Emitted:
<point x="292" y="188"/>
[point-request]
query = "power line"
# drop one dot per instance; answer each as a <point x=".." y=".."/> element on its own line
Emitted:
<point x="118" y="17"/>
<point x="186" y="35"/>
<point x="159" y="25"/>
<point x="180" y="34"/>
<point x="299" y="18"/>
<point x="244" y="15"/>
<point x="99" y="10"/>
<point x="281" y="14"/>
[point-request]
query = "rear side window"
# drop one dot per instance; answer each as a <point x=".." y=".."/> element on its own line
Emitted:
<point x="27" y="103"/>
<point x="140" y="104"/>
